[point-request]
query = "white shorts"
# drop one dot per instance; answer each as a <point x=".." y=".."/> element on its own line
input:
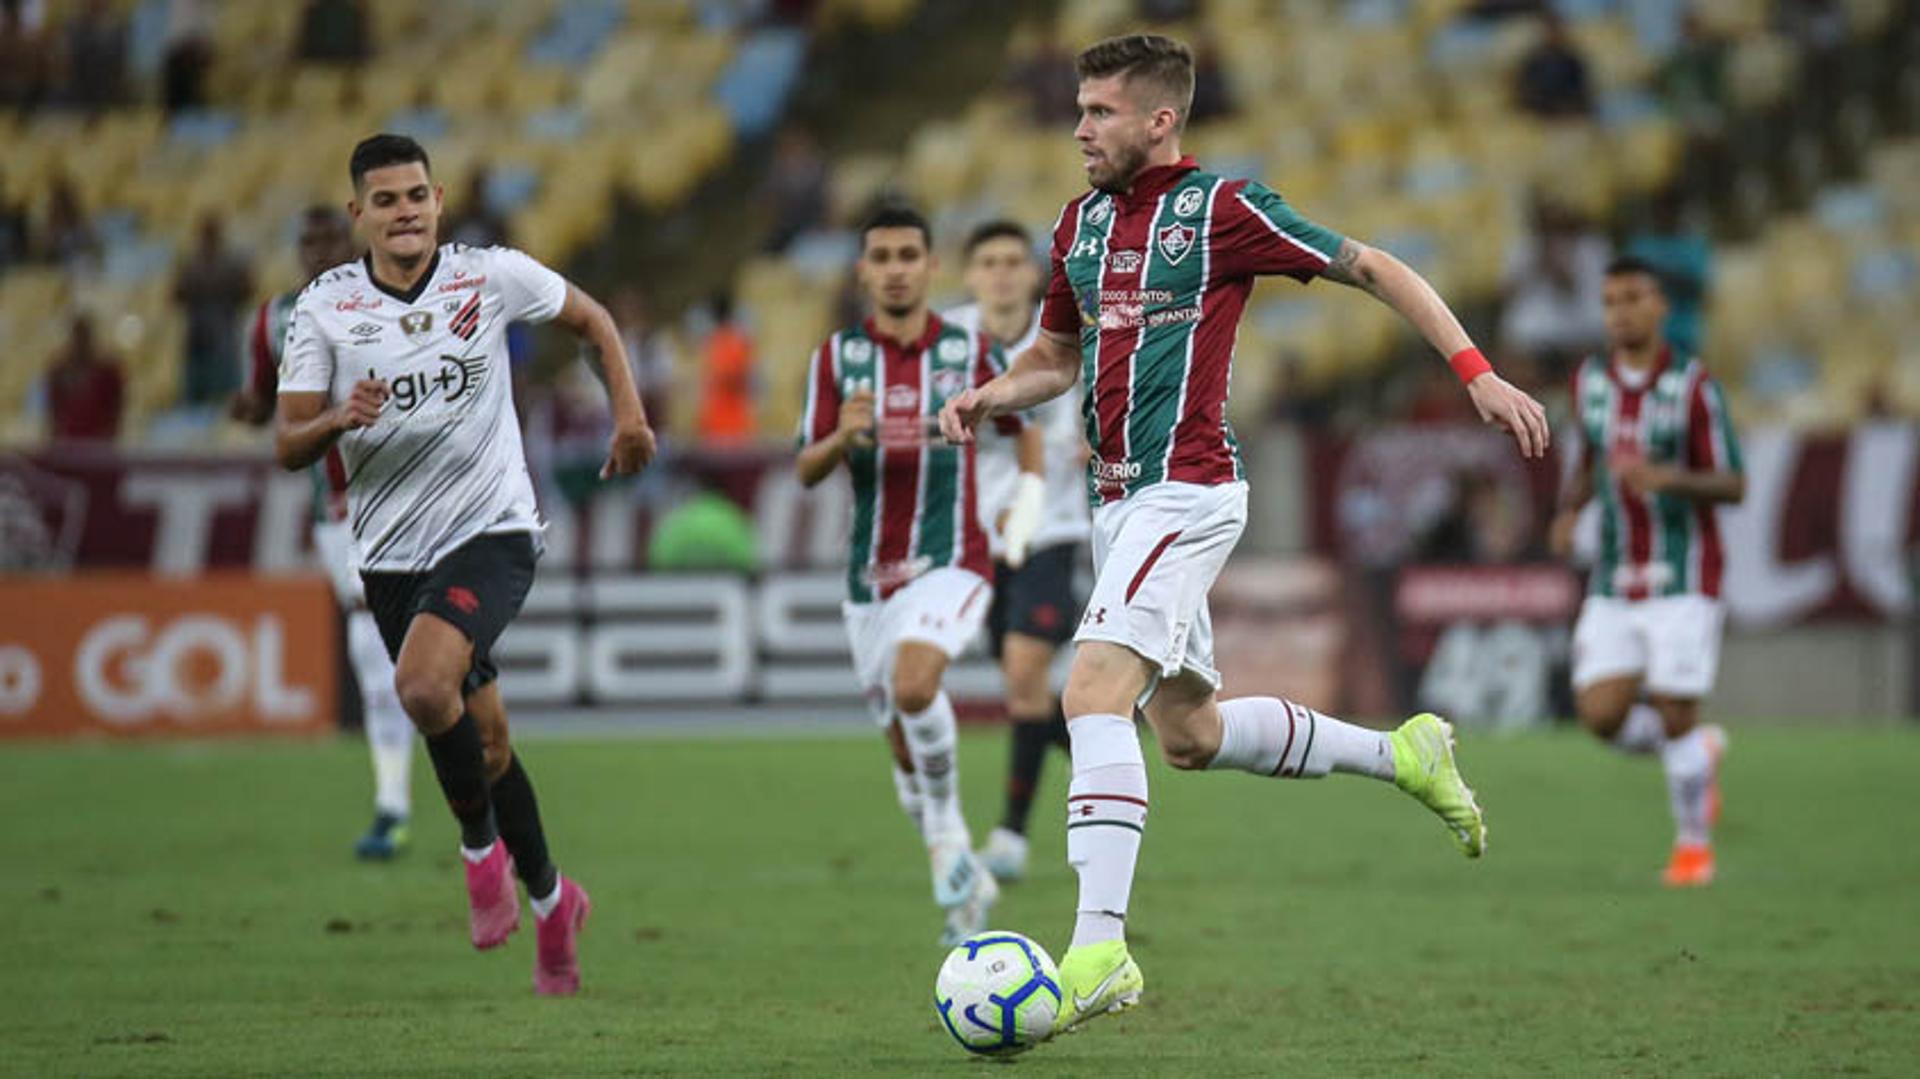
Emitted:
<point x="333" y="542"/>
<point x="1673" y="642"/>
<point x="1157" y="555"/>
<point x="942" y="607"/>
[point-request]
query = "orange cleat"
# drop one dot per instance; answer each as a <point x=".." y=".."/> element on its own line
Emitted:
<point x="1690" y="867"/>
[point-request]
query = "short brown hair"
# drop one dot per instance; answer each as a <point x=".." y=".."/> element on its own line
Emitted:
<point x="1163" y="64"/>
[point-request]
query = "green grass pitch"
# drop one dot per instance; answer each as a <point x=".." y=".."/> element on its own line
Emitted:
<point x="761" y="908"/>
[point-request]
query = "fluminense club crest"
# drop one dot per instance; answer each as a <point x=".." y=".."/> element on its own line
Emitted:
<point x="1175" y="241"/>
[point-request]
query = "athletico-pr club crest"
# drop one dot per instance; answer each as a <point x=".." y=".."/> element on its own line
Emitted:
<point x="1175" y="241"/>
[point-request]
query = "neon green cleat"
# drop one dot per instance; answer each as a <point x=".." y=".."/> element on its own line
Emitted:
<point x="1423" y="766"/>
<point x="1096" y="979"/>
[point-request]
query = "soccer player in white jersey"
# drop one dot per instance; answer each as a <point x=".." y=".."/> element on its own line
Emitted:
<point x="326" y="240"/>
<point x="400" y="360"/>
<point x="1656" y="447"/>
<point x="1038" y="525"/>
<point x="919" y="575"/>
<point x="1151" y="270"/>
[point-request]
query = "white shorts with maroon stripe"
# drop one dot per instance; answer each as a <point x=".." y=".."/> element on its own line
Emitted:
<point x="1158" y="554"/>
<point x="942" y="607"/>
<point x="1671" y="642"/>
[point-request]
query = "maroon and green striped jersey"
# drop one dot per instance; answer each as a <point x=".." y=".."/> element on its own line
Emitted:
<point x="1152" y="282"/>
<point x="915" y="507"/>
<point x="1674" y="415"/>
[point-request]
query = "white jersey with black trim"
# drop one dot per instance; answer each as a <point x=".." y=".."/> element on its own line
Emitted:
<point x="443" y="463"/>
<point x="1065" y="518"/>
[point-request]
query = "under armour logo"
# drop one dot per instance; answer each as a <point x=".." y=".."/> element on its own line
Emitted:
<point x="463" y="599"/>
<point x="1083" y="810"/>
<point x="1096" y="615"/>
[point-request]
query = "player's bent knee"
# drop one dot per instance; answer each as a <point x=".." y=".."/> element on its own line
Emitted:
<point x="1184" y="753"/>
<point x="498" y="755"/>
<point x="914" y="695"/>
<point x="431" y="701"/>
<point x="1102" y="682"/>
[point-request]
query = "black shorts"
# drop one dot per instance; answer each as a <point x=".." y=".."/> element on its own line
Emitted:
<point x="1036" y="599"/>
<point x="478" y="588"/>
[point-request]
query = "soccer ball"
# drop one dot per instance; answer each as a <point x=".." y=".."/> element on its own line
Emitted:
<point x="997" y="993"/>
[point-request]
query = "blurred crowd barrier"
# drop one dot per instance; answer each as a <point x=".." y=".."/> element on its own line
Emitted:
<point x="1415" y="576"/>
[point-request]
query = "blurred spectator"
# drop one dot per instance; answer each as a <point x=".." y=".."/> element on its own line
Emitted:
<point x="66" y="237"/>
<point x="1211" y="97"/>
<point x="1684" y="258"/>
<point x="189" y="53"/>
<point x="478" y="223"/>
<point x="1501" y="9"/>
<point x="334" y="32"/>
<point x="1693" y="83"/>
<point x="212" y="285"/>
<point x="648" y="351"/>
<point x="93" y="71"/>
<point x="1819" y="29"/>
<point x="1484" y="523"/>
<point x="1551" y="287"/>
<point x="1045" y="78"/>
<point x="706" y="532"/>
<point x="14" y="242"/>
<point x="796" y="187"/>
<point x="23" y="59"/>
<point x="1166" y="10"/>
<point x="85" y="390"/>
<point x="727" y="409"/>
<point x="1552" y="79"/>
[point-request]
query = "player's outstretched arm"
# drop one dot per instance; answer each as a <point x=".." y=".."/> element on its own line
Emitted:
<point x="1043" y="372"/>
<point x="307" y="428"/>
<point x="632" y="446"/>
<point x="1397" y="285"/>
<point x="819" y="458"/>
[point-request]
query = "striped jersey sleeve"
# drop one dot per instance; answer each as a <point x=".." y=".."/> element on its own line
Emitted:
<point x="1711" y="443"/>
<point x="1058" y="311"/>
<point x="821" y="416"/>
<point x="1256" y="232"/>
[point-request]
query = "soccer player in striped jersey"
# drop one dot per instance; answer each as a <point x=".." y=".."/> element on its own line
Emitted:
<point x="326" y="241"/>
<point x="1656" y="448"/>
<point x="1038" y="526"/>
<point x="399" y="359"/>
<point x="919" y="575"/>
<point x="1151" y="269"/>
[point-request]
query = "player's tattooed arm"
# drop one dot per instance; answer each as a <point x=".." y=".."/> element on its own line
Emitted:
<point x="1346" y="269"/>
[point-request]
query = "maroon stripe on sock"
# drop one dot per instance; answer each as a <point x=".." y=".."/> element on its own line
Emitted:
<point x="1280" y="765"/>
<point x="1141" y="802"/>
<point x="1146" y="567"/>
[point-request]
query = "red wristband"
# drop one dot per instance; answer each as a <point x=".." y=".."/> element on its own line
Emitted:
<point x="1468" y="364"/>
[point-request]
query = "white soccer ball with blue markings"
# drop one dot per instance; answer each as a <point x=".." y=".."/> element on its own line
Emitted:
<point x="997" y="993"/>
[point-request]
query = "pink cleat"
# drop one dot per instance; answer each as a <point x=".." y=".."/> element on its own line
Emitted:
<point x="494" y="906"/>
<point x="556" y="967"/>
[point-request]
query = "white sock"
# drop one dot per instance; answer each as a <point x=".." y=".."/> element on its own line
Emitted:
<point x="1106" y="818"/>
<point x="543" y="905"/>
<point x="389" y="731"/>
<point x="907" y="789"/>
<point x="1643" y="731"/>
<point x="932" y="742"/>
<point x="1689" y="765"/>
<point x="1272" y="737"/>
<point x="477" y="856"/>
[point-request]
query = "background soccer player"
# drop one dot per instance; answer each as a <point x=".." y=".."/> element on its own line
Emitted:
<point x="919" y="576"/>
<point x="400" y="359"/>
<point x="326" y="241"/>
<point x="1151" y="270"/>
<point x="1656" y="447"/>
<point x="1038" y="526"/>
